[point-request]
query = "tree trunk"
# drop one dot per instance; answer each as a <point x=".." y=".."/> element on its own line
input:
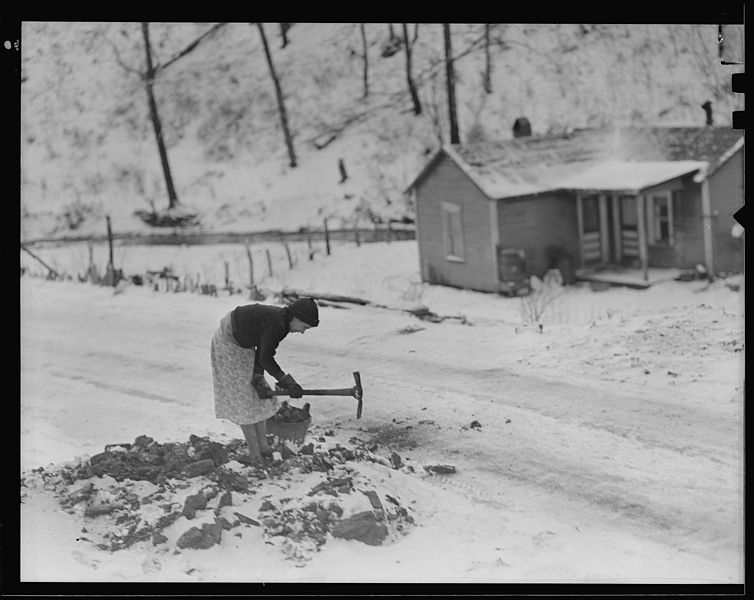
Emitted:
<point x="365" y="56"/>
<point x="284" y="27"/>
<point x="450" y="78"/>
<point x="279" y="94"/>
<point x="156" y="124"/>
<point x="487" y="67"/>
<point x="409" y="77"/>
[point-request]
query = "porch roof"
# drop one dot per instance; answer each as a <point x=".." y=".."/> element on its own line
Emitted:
<point x="593" y="174"/>
<point x="629" y="176"/>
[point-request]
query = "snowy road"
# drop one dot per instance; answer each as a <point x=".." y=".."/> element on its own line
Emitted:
<point x="601" y="479"/>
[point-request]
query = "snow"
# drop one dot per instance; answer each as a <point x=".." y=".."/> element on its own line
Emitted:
<point x="88" y="151"/>
<point x="610" y="446"/>
<point x="609" y="174"/>
<point x="630" y="175"/>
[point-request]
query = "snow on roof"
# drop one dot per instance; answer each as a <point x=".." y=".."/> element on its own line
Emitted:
<point x="631" y="176"/>
<point x="609" y="175"/>
<point x="628" y="158"/>
<point x="704" y="173"/>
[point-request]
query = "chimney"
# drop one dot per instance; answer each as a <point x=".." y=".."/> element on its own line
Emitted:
<point x="707" y="106"/>
<point x="521" y="127"/>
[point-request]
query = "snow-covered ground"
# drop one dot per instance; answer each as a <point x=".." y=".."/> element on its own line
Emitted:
<point x="608" y="445"/>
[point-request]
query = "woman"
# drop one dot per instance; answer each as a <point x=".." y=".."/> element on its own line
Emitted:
<point x="243" y="348"/>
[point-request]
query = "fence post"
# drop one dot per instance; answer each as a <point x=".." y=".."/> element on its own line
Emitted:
<point x="288" y="253"/>
<point x="327" y="239"/>
<point x="254" y="293"/>
<point x="356" y="233"/>
<point x="109" y="278"/>
<point x="227" y="277"/>
<point x="251" y="265"/>
<point x="309" y="245"/>
<point x="269" y="262"/>
<point x="51" y="271"/>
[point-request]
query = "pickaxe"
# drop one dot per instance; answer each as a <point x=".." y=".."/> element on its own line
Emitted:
<point x="356" y="391"/>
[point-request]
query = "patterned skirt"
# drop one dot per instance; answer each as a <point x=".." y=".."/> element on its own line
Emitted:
<point x="235" y="398"/>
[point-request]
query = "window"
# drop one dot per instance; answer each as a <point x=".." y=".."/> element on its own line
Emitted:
<point x="452" y="231"/>
<point x="661" y="225"/>
<point x="628" y="212"/>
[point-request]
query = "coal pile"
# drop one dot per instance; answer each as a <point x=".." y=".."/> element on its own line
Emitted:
<point x="188" y="495"/>
<point x="148" y="460"/>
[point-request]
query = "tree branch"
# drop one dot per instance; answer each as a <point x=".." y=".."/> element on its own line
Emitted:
<point x="120" y="62"/>
<point x="190" y="47"/>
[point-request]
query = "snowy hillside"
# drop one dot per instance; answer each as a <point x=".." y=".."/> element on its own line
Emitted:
<point x="88" y="147"/>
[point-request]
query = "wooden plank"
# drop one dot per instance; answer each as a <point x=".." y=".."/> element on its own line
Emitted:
<point x="617" y="239"/>
<point x="605" y="239"/>
<point x="580" y="225"/>
<point x="642" y="224"/>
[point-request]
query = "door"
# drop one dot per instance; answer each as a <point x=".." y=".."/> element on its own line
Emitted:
<point x="589" y="211"/>
<point x="629" y="228"/>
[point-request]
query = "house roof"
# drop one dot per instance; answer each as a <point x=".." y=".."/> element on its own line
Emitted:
<point x="628" y="176"/>
<point x="628" y="158"/>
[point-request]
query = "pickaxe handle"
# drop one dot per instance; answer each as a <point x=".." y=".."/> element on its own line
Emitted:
<point x="337" y="392"/>
<point x="355" y="391"/>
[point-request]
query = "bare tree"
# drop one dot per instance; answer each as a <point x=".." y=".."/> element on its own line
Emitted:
<point x="284" y="27"/>
<point x="156" y="123"/>
<point x="149" y="79"/>
<point x="365" y="57"/>
<point x="450" y="80"/>
<point x="487" y="70"/>
<point x="408" y="44"/>
<point x="279" y="95"/>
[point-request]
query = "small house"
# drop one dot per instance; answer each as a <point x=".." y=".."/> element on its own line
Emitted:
<point x="584" y="201"/>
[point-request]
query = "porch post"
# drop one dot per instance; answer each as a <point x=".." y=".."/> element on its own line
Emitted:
<point x="495" y="239"/>
<point x="580" y="226"/>
<point x="642" y="227"/>
<point x="617" y="242"/>
<point x="707" y="229"/>
<point x="604" y="233"/>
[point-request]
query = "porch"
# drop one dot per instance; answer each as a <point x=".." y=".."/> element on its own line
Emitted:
<point x="626" y="276"/>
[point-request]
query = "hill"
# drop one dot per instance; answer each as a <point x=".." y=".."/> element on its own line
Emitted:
<point x="88" y="146"/>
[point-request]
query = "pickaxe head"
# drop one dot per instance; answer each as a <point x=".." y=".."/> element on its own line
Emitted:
<point x="358" y="393"/>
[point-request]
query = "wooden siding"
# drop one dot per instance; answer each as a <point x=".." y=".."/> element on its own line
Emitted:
<point x="687" y="223"/>
<point x="687" y="248"/>
<point x="532" y="224"/>
<point x="448" y="183"/>
<point x="726" y="197"/>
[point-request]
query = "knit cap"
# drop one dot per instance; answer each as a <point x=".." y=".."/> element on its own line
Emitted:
<point x="306" y="310"/>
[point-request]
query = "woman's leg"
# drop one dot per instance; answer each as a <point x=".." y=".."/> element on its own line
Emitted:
<point x="250" y="433"/>
<point x="261" y="431"/>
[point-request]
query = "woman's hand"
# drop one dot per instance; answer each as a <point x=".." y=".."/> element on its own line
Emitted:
<point x="263" y="389"/>
<point x="288" y="383"/>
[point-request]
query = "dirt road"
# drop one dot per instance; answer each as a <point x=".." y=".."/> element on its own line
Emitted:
<point x="568" y="452"/>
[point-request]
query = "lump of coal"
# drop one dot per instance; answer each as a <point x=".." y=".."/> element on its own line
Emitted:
<point x="440" y="469"/>
<point x="192" y="504"/>
<point x="291" y="414"/>
<point x="363" y="527"/>
<point x="206" y="537"/>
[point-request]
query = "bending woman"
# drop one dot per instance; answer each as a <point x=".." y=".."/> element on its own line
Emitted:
<point x="243" y="348"/>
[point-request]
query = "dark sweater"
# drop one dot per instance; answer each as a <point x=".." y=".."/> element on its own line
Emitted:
<point x="261" y="327"/>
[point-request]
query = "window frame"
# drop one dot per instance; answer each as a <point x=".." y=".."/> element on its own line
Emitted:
<point x="655" y="220"/>
<point x="449" y="211"/>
